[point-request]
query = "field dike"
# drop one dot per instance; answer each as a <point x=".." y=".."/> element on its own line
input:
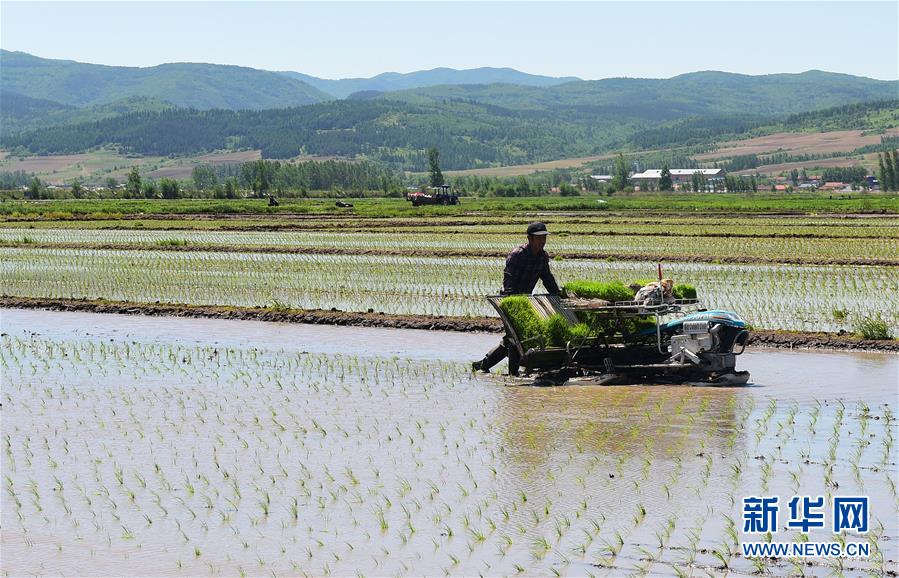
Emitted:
<point x="759" y="338"/>
<point x="718" y="259"/>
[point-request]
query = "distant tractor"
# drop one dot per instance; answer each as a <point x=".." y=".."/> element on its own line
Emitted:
<point x="439" y="195"/>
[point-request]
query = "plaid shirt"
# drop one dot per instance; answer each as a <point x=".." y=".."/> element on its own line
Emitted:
<point x="522" y="271"/>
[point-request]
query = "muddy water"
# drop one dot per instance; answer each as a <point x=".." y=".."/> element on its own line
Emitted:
<point x="201" y="447"/>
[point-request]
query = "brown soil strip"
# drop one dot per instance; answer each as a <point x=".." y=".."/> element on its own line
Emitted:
<point x="800" y="340"/>
<point x="312" y="316"/>
<point x="759" y="337"/>
<point x="583" y="255"/>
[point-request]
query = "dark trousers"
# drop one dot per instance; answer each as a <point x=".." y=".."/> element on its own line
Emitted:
<point x="499" y="353"/>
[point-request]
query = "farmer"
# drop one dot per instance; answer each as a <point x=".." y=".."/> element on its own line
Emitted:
<point x="524" y="265"/>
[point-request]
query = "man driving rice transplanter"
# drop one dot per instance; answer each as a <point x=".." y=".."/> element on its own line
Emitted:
<point x="524" y="266"/>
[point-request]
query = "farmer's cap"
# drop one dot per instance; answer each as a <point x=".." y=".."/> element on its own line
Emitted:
<point x="537" y="228"/>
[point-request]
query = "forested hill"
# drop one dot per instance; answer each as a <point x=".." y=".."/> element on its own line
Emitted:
<point x="392" y="81"/>
<point x="697" y="93"/>
<point x="21" y="113"/>
<point x="397" y="133"/>
<point x="200" y="86"/>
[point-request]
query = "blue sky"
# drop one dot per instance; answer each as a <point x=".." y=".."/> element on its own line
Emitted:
<point x="587" y="39"/>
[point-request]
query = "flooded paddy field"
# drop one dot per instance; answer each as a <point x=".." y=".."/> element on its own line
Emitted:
<point x="184" y="447"/>
<point x="770" y="296"/>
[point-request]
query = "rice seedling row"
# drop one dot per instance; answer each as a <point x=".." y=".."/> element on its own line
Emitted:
<point x="808" y="298"/>
<point x="763" y="248"/>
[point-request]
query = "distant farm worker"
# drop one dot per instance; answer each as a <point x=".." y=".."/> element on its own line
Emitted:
<point x="524" y="266"/>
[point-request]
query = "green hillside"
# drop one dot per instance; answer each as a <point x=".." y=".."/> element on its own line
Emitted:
<point x="200" y="86"/>
<point x="469" y="135"/>
<point x="395" y="133"/>
<point x="21" y="113"/>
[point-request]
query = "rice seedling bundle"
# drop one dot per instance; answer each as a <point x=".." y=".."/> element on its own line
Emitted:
<point x="611" y="291"/>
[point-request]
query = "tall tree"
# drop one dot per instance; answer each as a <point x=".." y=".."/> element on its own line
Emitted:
<point x="133" y="188"/>
<point x="35" y="188"/>
<point x="896" y="169"/>
<point x="619" y="179"/>
<point x="204" y="178"/>
<point x="882" y="174"/>
<point x="890" y="180"/>
<point x="149" y="190"/>
<point x="231" y="188"/>
<point x="262" y="176"/>
<point x="77" y="189"/>
<point x="169" y="189"/>
<point x="436" y="177"/>
<point x="699" y="182"/>
<point x="665" y="183"/>
<point x="523" y="186"/>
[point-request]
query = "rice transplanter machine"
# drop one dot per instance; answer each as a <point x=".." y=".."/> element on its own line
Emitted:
<point x="677" y="341"/>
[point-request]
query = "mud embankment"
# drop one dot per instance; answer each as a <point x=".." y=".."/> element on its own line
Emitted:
<point x="313" y="316"/>
<point x="441" y="252"/>
<point x="760" y="337"/>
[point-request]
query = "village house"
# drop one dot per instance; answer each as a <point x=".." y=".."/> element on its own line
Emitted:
<point x="649" y="179"/>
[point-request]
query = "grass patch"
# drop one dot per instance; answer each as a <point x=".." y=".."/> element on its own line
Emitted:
<point x="172" y="242"/>
<point x="278" y="306"/>
<point x="873" y="328"/>
<point x="671" y="203"/>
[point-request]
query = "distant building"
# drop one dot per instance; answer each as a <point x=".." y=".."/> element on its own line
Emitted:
<point x="602" y="178"/>
<point x="833" y="186"/>
<point x="650" y="178"/>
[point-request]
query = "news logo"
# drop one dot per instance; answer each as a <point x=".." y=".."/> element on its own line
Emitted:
<point x="761" y="515"/>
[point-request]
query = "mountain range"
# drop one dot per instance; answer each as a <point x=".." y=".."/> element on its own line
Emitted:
<point x="392" y="81"/>
<point x="478" y="117"/>
<point x="206" y="86"/>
